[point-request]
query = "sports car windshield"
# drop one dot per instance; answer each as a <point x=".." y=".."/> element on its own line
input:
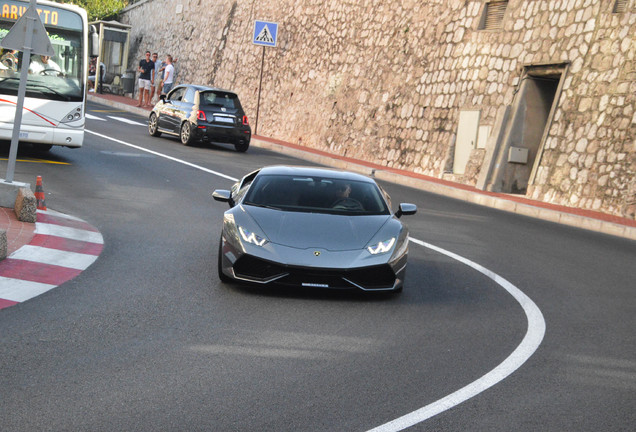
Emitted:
<point x="316" y="195"/>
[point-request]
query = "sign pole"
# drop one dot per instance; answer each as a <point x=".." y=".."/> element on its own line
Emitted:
<point x="26" y="54"/>
<point x="29" y="36"/>
<point x="260" y="84"/>
<point x="265" y="34"/>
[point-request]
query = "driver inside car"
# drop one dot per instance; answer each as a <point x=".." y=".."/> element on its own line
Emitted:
<point x="41" y="64"/>
<point x="342" y="199"/>
<point x="343" y="191"/>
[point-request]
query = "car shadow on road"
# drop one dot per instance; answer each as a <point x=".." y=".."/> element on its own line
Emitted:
<point x="229" y="148"/>
<point x="432" y="280"/>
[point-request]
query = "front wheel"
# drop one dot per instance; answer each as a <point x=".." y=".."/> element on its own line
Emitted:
<point x="153" y="125"/>
<point x="186" y="135"/>
<point x="222" y="276"/>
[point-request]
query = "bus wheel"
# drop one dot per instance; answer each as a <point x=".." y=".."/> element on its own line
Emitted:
<point x="153" y="127"/>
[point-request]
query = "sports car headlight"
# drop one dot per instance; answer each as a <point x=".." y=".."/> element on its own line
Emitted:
<point x="382" y="247"/>
<point x="250" y="237"/>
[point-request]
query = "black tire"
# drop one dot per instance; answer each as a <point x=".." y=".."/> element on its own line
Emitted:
<point x="153" y="125"/>
<point x="185" y="135"/>
<point x="242" y="146"/>
<point x="224" y="278"/>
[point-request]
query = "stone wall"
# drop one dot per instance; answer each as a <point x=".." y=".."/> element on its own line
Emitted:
<point x="385" y="81"/>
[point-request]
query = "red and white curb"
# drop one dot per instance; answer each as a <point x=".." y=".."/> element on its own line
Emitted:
<point x="62" y="247"/>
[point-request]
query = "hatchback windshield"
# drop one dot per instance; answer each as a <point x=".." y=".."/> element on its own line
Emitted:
<point x="317" y="195"/>
<point x="220" y="99"/>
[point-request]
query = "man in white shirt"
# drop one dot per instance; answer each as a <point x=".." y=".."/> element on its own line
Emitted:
<point x="155" y="77"/>
<point x="168" y="76"/>
<point x="41" y="64"/>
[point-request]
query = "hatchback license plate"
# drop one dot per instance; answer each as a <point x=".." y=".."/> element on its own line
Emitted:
<point x="224" y="119"/>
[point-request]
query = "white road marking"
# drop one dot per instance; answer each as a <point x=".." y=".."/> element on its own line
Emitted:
<point x="527" y="347"/>
<point x="93" y="117"/>
<point x="529" y="344"/>
<point x="69" y="233"/>
<point x="125" y="120"/>
<point x="59" y="215"/>
<point x="19" y="290"/>
<point x="216" y="173"/>
<point x="123" y="154"/>
<point x="43" y="255"/>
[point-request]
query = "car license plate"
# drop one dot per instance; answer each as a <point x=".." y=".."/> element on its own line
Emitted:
<point x="224" y="119"/>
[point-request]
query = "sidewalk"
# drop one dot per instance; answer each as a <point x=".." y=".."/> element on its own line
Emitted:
<point x="121" y="102"/>
<point x="18" y="233"/>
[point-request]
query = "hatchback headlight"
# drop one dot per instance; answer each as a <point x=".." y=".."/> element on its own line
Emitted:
<point x="250" y="237"/>
<point x="382" y="247"/>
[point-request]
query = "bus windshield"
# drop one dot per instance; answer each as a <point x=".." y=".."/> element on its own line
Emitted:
<point x="59" y="77"/>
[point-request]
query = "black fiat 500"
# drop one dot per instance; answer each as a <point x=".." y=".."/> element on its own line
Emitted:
<point x="199" y="113"/>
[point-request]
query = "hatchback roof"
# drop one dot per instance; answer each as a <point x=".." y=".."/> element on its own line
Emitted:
<point x="206" y="88"/>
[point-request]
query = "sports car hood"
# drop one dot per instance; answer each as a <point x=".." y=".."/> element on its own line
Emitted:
<point x="316" y="230"/>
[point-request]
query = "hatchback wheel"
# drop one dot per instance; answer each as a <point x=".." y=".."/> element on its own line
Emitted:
<point x="153" y="127"/>
<point x="186" y="134"/>
<point x="242" y="146"/>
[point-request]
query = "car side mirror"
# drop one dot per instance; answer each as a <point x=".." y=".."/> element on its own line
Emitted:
<point x="163" y="98"/>
<point x="223" y="196"/>
<point x="406" y="209"/>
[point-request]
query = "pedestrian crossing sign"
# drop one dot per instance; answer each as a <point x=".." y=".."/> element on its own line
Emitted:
<point x="265" y="33"/>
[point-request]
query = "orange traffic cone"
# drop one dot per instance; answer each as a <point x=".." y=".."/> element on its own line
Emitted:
<point x="39" y="194"/>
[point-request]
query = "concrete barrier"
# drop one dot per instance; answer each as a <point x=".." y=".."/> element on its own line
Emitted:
<point x="3" y="244"/>
<point x="25" y="205"/>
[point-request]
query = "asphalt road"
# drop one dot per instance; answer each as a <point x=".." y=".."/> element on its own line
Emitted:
<point x="148" y="338"/>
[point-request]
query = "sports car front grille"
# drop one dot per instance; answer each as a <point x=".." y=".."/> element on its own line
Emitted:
<point x="254" y="268"/>
<point x="368" y="278"/>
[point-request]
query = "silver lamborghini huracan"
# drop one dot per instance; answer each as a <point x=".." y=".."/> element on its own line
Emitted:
<point x="312" y="227"/>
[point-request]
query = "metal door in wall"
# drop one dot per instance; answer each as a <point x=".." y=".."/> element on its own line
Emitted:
<point x="526" y="129"/>
<point x="467" y="128"/>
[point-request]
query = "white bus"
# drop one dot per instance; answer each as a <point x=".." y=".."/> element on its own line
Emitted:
<point x="55" y="100"/>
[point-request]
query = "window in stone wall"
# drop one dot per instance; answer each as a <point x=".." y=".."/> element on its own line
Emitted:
<point x="620" y="6"/>
<point x="493" y="15"/>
